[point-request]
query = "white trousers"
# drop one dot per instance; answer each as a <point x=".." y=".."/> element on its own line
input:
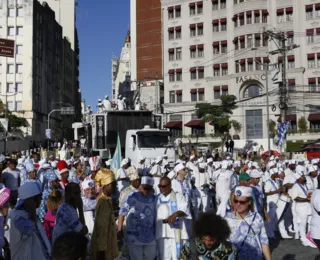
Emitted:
<point x="222" y="202"/>
<point x="166" y="248"/>
<point x="142" y="252"/>
<point x="302" y="220"/>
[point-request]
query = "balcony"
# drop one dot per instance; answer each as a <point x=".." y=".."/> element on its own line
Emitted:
<point x="250" y="5"/>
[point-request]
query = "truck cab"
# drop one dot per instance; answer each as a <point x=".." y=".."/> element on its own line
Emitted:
<point x="149" y="143"/>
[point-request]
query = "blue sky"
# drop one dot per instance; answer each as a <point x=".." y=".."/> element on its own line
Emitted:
<point x="102" y="27"/>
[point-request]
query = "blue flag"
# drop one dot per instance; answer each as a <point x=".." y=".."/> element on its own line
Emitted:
<point x="116" y="159"/>
<point x="282" y="131"/>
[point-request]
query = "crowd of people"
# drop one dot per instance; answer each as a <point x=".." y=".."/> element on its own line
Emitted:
<point x="199" y="208"/>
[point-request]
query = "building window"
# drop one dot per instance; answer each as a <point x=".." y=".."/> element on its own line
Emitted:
<point x="19" y="68"/>
<point x="192" y="31"/>
<point x="171" y="13"/>
<point x="11" y="12"/>
<point x="241" y="19"/>
<point x="197" y="131"/>
<point x="318" y="56"/>
<point x="192" y="9"/>
<point x="290" y="40"/>
<point x="237" y="65"/>
<point x="265" y="18"/>
<point x="252" y="91"/>
<point x="11" y="31"/>
<point x="224" y="47"/>
<point x="242" y="43"/>
<point x="201" y="73"/>
<point x="243" y="65"/>
<point x="19" y="105"/>
<point x="215" y="5"/>
<point x="171" y="76"/>
<point x="291" y="63"/>
<point x="257" y="18"/>
<point x="178" y="33"/>
<point x="10" y="68"/>
<point x="171" y="54"/>
<point x="171" y="33"/>
<point x="178" y="53"/>
<point x="312" y="84"/>
<point x="265" y="40"/>
<point x="19" y="49"/>
<point x="216" y="93"/>
<point x="201" y="95"/>
<point x="20" y="12"/>
<point x="223" y="4"/>
<point x="250" y="66"/>
<point x="10" y="88"/>
<point x="193" y="95"/>
<point x="200" y="29"/>
<point x="193" y="73"/>
<point x="291" y="85"/>
<point x="289" y="17"/>
<point x="178" y="75"/>
<point x="179" y="97"/>
<point x="257" y="42"/>
<point x="178" y="11"/>
<point x="249" y="41"/>
<point x="193" y="52"/>
<point x="20" y="30"/>
<point x="216" y="72"/>
<point x="280" y="16"/>
<point x="10" y="106"/>
<point x="224" y="90"/>
<point x="311" y="61"/>
<point x="309" y="11"/>
<point x="224" y="69"/>
<point x="200" y="51"/>
<point x="216" y="48"/>
<point x="249" y="18"/>
<point x="0" y="68"/>
<point x="199" y="7"/>
<point x="254" y="124"/>
<point x="310" y="35"/>
<point x="172" y="96"/>
<point x="19" y="87"/>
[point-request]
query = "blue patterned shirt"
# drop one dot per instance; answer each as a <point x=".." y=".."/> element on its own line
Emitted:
<point x="140" y="211"/>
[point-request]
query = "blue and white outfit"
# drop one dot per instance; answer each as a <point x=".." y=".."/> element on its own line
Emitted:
<point x="67" y="220"/>
<point x="248" y="235"/>
<point x="258" y="196"/>
<point x="140" y="212"/>
<point x="170" y="238"/>
<point x="27" y="238"/>
<point x="23" y="172"/>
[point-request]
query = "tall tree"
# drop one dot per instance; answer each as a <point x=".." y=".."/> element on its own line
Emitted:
<point x="218" y="115"/>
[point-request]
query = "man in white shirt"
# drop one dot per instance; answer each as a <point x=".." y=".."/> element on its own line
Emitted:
<point x="171" y="233"/>
<point x="142" y="169"/>
<point x="122" y="176"/>
<point x="301" y="196"/>
<point x="11" y="180"/>
<point x="312" y="178"/>
<point x="315" y="220"/>
<point x="106" y="104"/>
<point x="157" y="172"/>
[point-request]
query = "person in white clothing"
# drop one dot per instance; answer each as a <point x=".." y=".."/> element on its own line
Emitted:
<point x="120" y="103"/>
<point x="301" y="196"/>
<point x="137" y="105"/>
<point x="157" y="172"/>
<point x="106" y="104"/>
<point x="315" y="220"/>
<point x="142" y="169"/>
<point x="100" y="106"/>
<point x="202" y="184"/>
<point x="122" y="176"/>
<point x="171" y="233"/>
<point x="312" y="180"/>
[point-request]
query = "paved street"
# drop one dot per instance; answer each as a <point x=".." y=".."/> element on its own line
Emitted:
<point x="293" y="250"/>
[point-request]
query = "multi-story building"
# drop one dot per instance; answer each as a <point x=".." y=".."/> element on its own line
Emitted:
<point x="65" y="11"/>
<point x="30" y="81"/>
<point x="218" y="47"/>
<point x="121" y="73"/>
<point x="146" y="52"/>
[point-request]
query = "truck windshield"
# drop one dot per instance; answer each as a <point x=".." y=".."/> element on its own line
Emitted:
<point x="149" y="139"/>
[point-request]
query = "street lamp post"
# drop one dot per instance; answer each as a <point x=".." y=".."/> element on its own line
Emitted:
<point x="52" y="111"/>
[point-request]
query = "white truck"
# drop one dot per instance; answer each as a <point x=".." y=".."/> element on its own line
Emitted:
<point x="148" y="143"/>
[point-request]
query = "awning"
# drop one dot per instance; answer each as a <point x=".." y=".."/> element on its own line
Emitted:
<point x="312" y="80"/>
<point x="224" y="42"/>
<point x="193" y="47"/>
<point x="179" y="92"/>
<point x="200" y="46"/>
<point x="289" y="10"/>
<point x="318" y="30"/>
<point x="243" y="61"/>
<point x="317" y="6"/>
<point x="215" y="21"/>
<point x="248" y="13"/>
<point x="241" y="38"/>
<point x="258" y="59"/>
<point x="257" y="35"/>
<point x="310" y="56"/>
<point x="216" y="66"/>
<point x="193" y="69"/>
<point x="241" y="14"/>
<point x="291" y="58"/>
<point x="200" y="90"/>
<point x="265" y="12"/>
<point x="171" y="50"/>
<point x="178" y="28"/>
<point x="193" y="91"/>
<point x="318" y="54"/>
<point x="171" y="29"/>
<point x="225" y="87"/>
<point x="201" y="68"/>
<point x="216" y="88"/>
<point x="250" y="60"/>
<point x="215" y="44"/>
<point x="199" y="3"/>
<point x="310" y="32"/>
<point x="292" y="117"/>
<point x="235" y="17"/>
<point x="280" y="11"/>
<point x="224" y="65"/>
<point x="173" y="124"/>
<point x="309" y="7"/>
<point x="235" y="39"/>
<point x="291" y="82"/>
<point x="192" y="4"/>
<point x="266" y="59"/>
<point x="171" y="72"/>
<point x="178" y="70"/>
<point x="192" y="26"/>
<point x="170" y="8"/>
<point x="195" y="124"/>
<point x="178" y="7"/>
<point x="314" y="117"/>
<point x="200" y="25"/>
<point x="290" y="33"/>
<point x="257" y="12"/>
<point x="223" y="20"/>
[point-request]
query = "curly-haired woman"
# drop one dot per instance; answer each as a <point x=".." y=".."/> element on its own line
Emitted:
<point x="210" y="243"/>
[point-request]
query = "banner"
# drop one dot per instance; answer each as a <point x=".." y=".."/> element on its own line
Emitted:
<point x="282" y="131"/>
<point x="116" y="159"/>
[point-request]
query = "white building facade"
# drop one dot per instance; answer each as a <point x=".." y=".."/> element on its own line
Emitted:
<point x="214" y="48"/>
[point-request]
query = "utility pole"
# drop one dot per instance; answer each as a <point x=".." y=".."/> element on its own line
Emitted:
<point x="283" y="86"/>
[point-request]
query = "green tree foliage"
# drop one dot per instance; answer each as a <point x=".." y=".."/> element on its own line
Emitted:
<point x="302" y="124"/>
<point x="219" y="115"/>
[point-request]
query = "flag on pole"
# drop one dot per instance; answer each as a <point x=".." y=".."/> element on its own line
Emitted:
<point x="282" y="131"/>
<point x="116" y="159"/>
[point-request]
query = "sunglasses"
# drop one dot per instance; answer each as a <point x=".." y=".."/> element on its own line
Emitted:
<point x="241" y="202"/>
<point x="163" y="186"/>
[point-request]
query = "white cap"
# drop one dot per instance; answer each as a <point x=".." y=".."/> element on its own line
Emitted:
<point x="159" y="159"/>
<point x="54" y="164"/>
<point x="271" y="158"/>
<point x="224" y="164"/>
<point x="300" y="170"/>
<point x="314" y="161"/>
<point x="171" y="175"/>
<point x="236" y="164"/>
<point x="20" y="161"/>
<point x="141" y="158"/>
<point x="255" y="164"/>
<point x="124" y="162"/>
<point x="108" y="163"/>
<point x="292" y="162"/>
<point x="179" y="167"/>
<point x="202" y="165"/>
<point x="192" y="157"/>
<point x="298" y="175"/>
<point x="106" y="96"/>
<point x="165" y="162"/>
<point x="147" y="180"/>
<point x="87" y="184"/>
<point x="242" y="191"/>
<point x="255" y="173"/>
<point x="200" y="160"/>
<point x="270" y="164"/>
<point x="210" y="160"/>
<point x="312" y="168"/>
